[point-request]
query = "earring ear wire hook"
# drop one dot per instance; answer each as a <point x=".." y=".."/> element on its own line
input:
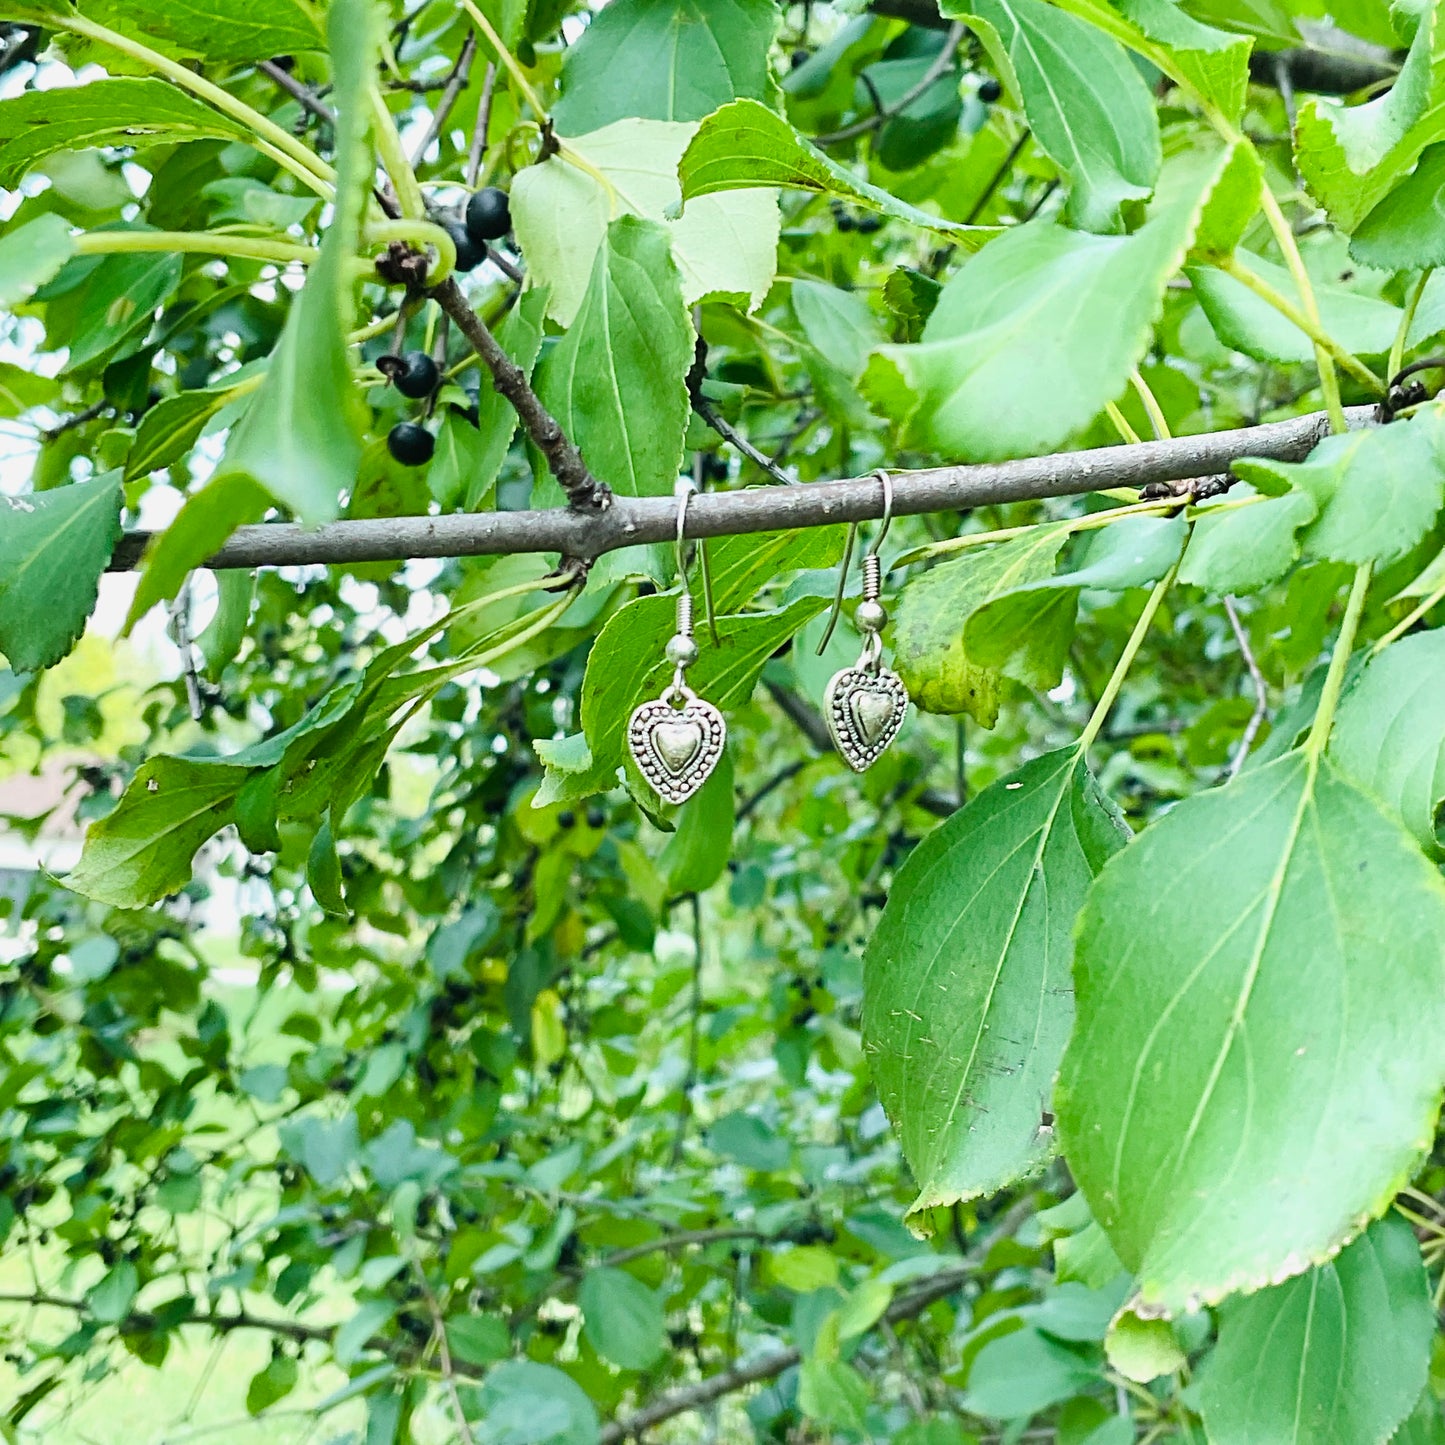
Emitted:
<point x="685" y="489"/>
<point x="887" y="484"/>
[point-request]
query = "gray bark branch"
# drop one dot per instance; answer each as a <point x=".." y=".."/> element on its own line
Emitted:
<point x="632" y="521"/>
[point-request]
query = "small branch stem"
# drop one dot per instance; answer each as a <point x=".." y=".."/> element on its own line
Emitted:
<point x="941" y="62"/>
<point x="456" y="83"/>
<point x="1151" y="406"/>
<point x="583" y="491"/>
<point x="1339" y="663"/>
<point x="206" y="243"/>
<point x="1126" y="661"/>
<point x="483" y="125"/>
<point x="735" y="439"/>
<point x="303" y="95"/>
<point x="1407" y="320"/>
<point x="507" y="59"/>
<point x="1261" y="693"/>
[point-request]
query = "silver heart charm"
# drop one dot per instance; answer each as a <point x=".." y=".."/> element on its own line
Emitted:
<point x="677" y="742"/>
<point x="865" y="711"/>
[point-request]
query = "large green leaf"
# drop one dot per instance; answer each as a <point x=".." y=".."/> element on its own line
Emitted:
<point x="1226" y="1135"/>
<point x="1404" y="231"/>
<point x="616" y="381"/>
<point x="744" y="146"/>
<point x="1031" y="339"/>
<point x="121" y="297"/>
<point x="967" y="1001"/>
<point x="1246" y="322"/>
<point x="666" y="60"/>
<point x="1351" y="156"/>
<point x="723" y="245"/>
<point x="119" y="112"/>
<point x="1241" y="549"/>
<point x="622" y="1318"/>
<point x="1426" y="1426"/>
<point x="31" y="255"/>
<point x="1337" y="1356"/>
<point x="300" y="437"/>
<point x="1086" y="102"/>
<point x="1376" y="492"/>
<point x="142" y="850"/>
<point x="53" y="548"/>
<point x="171" y="428"/>
<point x="1390" y="733"/>
<point x="929" y="635"/>
<point x="243" y="30"/>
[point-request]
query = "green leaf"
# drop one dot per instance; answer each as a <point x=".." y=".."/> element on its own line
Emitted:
<point x="1214" y="63"/>
<point x="205" y="520"/>
<point x="1242" y="549"/>
<point x="622" y="1319"/>
<point x="53" y="548"/>
<point x="1022" y="1373"/>
<point x="1031" y="339"/>
<point x="1026" y="632"/>
<point x="1087" y="104"/>
<point x="967" y="1002"/>
<point x="696" y="856"/>
<point x="744" y="145"/>
<point x="172" y="426"/>
<point x="110" y="1299"/>
<point x="300" y="437"/>
<point x="1389" y="736"/>
<point x="834" y="1393"/>
<point x="538" y="1404"/>
<point x="121" y="297"/>
<point x="1337" y="1356"/>
<point x="271" y="1384"/>
<point x="1351" y="156"/>
<point x="457" y="460"/>
<point x="1403" y="232"/>
<point x="222" y="638"/>
<point x="31" y="255"/>
<point x="1377" y="491"/>
<point x="1245" y="322"/>
<point x="615" y="382"/>
<point x="666" y="60"/>
<point x="323" y="872"/>
<point x="119" y="112"/>
<point x="20" y="390"/>
<point x="723" y="246"/>
<point x="520" y="336"/>
<point x="1425" y="1425"/>
<point x="1225" y="1137"/>
<point x="930" y="646"/>
<point x="142" y="850"/>
<point x="478" y="1339"/>
<point x="1142" y="1350"/>
<point x="240" y="30"/>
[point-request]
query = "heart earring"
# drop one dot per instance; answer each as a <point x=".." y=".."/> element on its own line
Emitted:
<point x="677" y="740"/>
<point x="865" y="704"/>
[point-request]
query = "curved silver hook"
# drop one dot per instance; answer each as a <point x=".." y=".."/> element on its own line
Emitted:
<point x="887" y="484"/>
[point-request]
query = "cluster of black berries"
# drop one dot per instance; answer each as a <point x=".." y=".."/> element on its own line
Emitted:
<point x="846" y="220"/>
<point x="487" y="217"/>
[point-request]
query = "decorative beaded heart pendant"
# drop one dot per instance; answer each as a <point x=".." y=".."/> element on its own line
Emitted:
<point x="677" y="747"/>
<point x="864" y="711"/>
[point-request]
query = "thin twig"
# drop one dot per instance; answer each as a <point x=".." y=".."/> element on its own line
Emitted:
<point x="461" y="73"/>
<point x="181" y="629"/>
<point x="784" y="774"/>
<point x="941" y="62"/>
<point x="79" y="418"/>
<point x="302" y="94"/>
<point x="1261" y="694"/>
<point x="694" y="1036"/>
<point x="480" y="129"/>
<point x="734" y="438"/>
<point x="444" y="1354"/>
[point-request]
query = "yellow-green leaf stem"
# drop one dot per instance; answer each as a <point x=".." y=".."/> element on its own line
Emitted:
<point x="206" y="243"/>
<point x="394" y="158"/>
<point x="299" y="159"/>
<point x="1339" y="662"/>
<point x="1126" y="661"/>
<point x="507" y="59"/>
<point x="1325" y="345"/>
<point x="1121" y="424"/>
<point x="1407" y="320"/>
<point x="1151" y="405"/>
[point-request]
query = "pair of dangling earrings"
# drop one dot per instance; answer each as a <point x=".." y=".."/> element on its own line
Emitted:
<point x="677" y="739"/>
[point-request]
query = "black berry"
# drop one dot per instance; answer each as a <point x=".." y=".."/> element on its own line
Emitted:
<point x="414" y="374"/>
<point x="566" y="819"/>
<point x="489" y="215"/>
<point x="868" y="224"/>
<point x="846" y="222"/>
<point x="799" y="57"/>
<point x="989" y="90"/>
<point x="410" y="444"/>
<point x="470" y="254"/>
<point x="595" y="817"/>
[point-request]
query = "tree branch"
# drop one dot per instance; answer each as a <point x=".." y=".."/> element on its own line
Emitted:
<point x="587" y="498"/>
<point x="941" y="62"/>
<point x="456" y="83"/>
<point x="586" y="530"/>
<point x="302" y="94"/>
<point x="692" y="1397"/>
